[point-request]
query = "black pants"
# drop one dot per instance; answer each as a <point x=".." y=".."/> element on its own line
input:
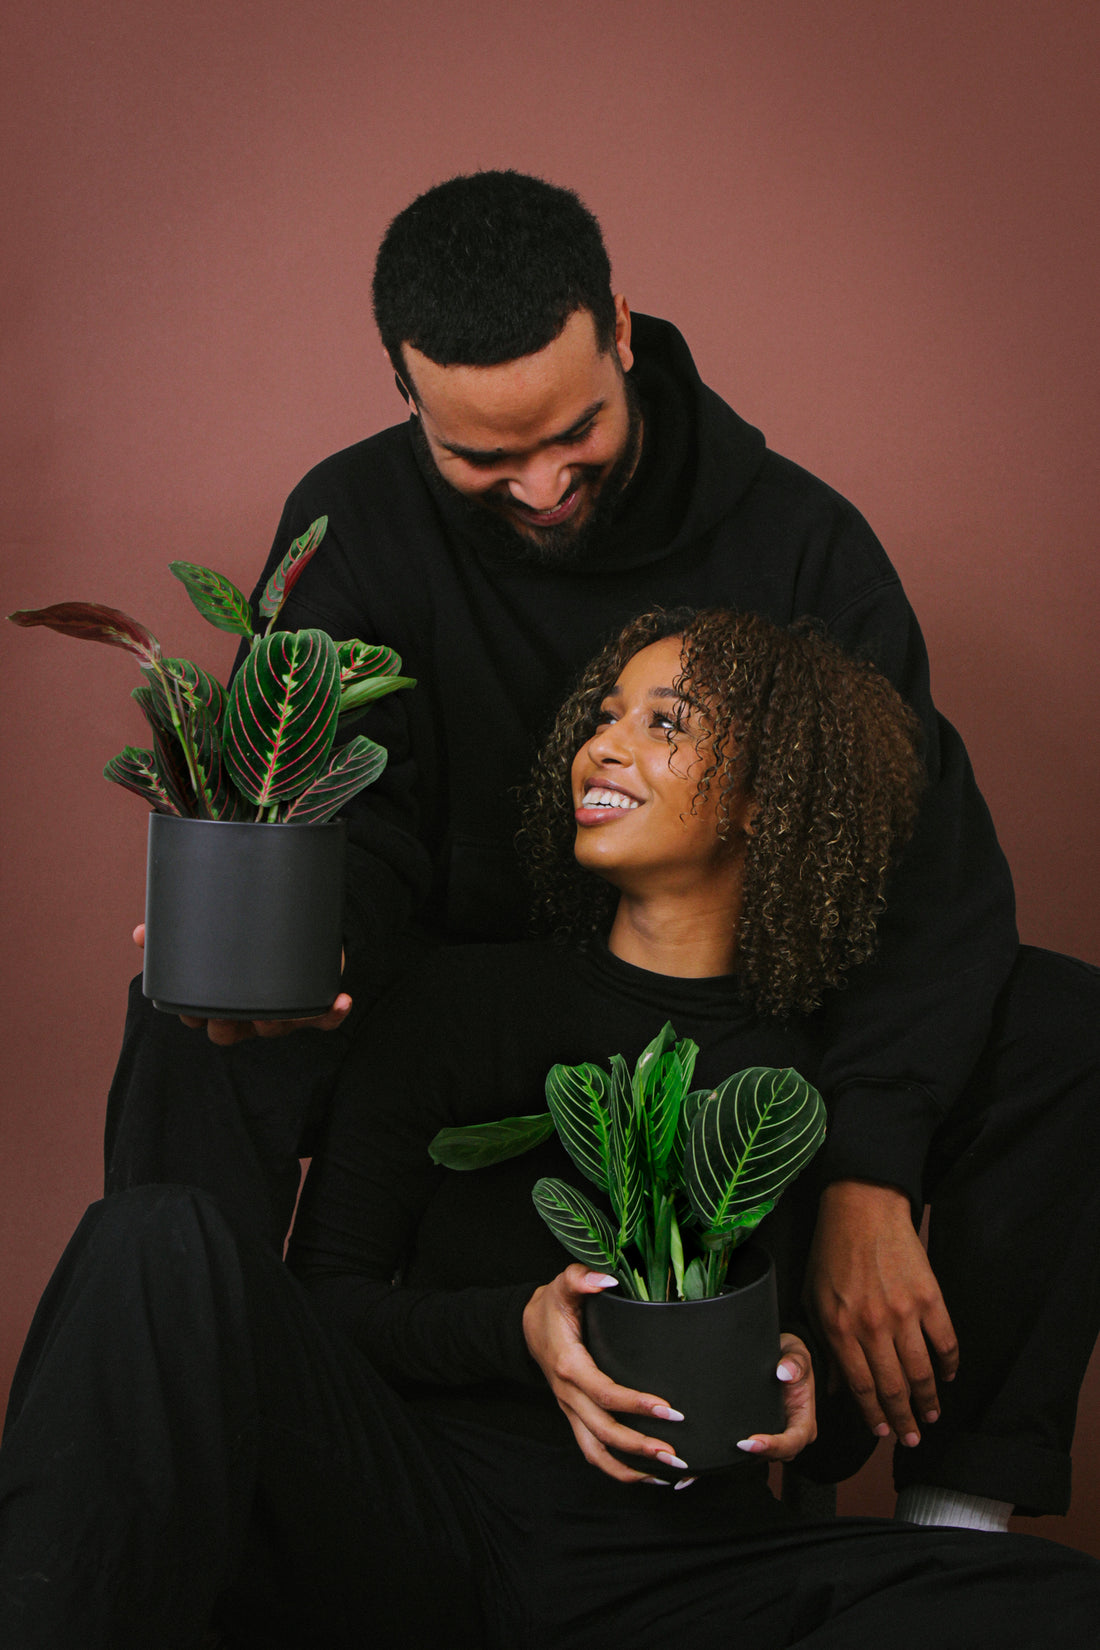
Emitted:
<point x="186" y="1442"/>
<point x="1014" y="1236"/>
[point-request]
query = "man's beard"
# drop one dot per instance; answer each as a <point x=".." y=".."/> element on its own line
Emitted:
<point x="553" y="547"/>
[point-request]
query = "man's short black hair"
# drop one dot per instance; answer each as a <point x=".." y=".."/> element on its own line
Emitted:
<point x="489" y="267"/>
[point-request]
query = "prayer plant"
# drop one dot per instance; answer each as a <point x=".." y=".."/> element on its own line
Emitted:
<point x="263" y="751"/>
<point x="688" y="1173"/>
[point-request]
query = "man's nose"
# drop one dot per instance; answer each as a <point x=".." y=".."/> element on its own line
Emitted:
<point x="543" y="482"/>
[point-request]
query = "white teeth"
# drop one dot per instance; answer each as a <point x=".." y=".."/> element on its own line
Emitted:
<point x="608" y="799"/>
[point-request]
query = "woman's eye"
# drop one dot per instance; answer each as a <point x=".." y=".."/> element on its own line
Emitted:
<point x="667" y="722"/>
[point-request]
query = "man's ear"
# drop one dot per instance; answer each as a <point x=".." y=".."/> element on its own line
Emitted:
<point x="622" y="332"/>
<point x="402" y="388"/>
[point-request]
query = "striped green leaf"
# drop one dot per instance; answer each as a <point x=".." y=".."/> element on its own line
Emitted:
<point x="661" y="1076"/>
<point x="360" y="694"/>
<point x="281" y="717"/>
<point x="216" y="597"/>
<point x="355" y="766"/>
<point x="480" y="1145"/>
<point x="747" y="1142"/>
<point x="626" y="1188"/>
<point x="578" y="1099"/>
<point x="577" y="1224"/>
<point x="136" y="770"/>
<point x="290" y="569"/>
<point x="89" y="622"/>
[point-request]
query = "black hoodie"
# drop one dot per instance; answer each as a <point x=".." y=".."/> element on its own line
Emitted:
<point x="711" y="518"/>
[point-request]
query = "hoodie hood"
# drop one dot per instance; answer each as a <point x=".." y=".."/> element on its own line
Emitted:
<point x="698" y="458"/>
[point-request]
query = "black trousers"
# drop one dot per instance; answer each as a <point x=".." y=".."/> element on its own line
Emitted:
<point x="1011" y="1179"/>
<point x="187" y="1442"/>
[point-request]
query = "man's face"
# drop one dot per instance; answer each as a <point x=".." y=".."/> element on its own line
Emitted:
<point x="542" y="447"/>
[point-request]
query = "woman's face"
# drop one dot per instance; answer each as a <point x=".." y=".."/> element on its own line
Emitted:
<point x="640" y="822"/>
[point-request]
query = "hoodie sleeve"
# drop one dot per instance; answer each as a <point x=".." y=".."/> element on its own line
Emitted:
<point x="905" y="1032"/>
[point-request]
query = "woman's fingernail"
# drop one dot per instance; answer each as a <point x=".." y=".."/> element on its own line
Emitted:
<point x="671" y="1460"/>
<point x="601" y="1280"/>
<point x="753" y="1446"/>
<point x="787" y="1372"/>
<point x="658" y="1483"/>
<point x="930" y="1415"/>
<point x="911" y="1440"/>
<point x="882" y="1430"/>
<point x="663" y="1413"/>
<point x="683" y="1483"/>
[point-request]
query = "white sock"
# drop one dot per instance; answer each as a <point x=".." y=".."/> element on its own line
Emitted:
<point x="929" y="1504"/>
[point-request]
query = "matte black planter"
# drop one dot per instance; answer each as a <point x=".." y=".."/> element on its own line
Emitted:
<point x="714" y="1360"/>
<point x="243" y="921"/>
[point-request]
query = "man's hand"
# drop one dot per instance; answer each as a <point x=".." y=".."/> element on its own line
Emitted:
<point x="796" y="1371"/>
<point x="227" y="1032"/>
<point x="552" y="1327"/>
<point x="876" y="1299"/>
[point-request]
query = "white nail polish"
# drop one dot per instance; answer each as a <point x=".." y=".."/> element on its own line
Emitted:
<point x="683" y="1483"/>
<point x="671" y="1460"/>
<point x="663" y="1413"/>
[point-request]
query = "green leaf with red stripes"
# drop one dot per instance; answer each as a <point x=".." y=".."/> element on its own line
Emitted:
<point x="290" y="569"/>
<point x="216" y="597"/>
<point x="355" y="766"/>
<point x="136" y="770"/>
<point x="281" y="717"/>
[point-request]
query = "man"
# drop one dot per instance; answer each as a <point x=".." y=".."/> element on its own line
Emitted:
<point x="563" y="468"/>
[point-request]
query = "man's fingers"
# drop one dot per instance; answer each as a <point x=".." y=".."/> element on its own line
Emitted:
<point x="139" y="935"/>
<point x="879" y="1388"/>
<point x="939" y="1332"/>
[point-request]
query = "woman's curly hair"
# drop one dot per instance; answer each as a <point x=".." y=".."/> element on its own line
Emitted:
<point x="828" y="752"/>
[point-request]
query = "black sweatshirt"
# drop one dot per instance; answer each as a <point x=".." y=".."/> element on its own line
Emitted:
<point x="712" y="518"/>
<point x="470" y="1039"/>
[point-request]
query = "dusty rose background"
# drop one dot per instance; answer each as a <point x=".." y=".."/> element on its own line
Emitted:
<point x="876" y="225"/>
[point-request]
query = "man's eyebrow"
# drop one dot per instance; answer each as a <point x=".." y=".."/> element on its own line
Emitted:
<point x="575" y="428"/>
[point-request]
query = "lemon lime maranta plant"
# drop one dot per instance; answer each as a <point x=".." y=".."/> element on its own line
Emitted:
<point x="688" y="1173"/>
<point x="263" y="751"/>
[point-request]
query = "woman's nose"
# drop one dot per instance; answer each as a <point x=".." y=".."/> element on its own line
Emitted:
<point x="609" y="744"/>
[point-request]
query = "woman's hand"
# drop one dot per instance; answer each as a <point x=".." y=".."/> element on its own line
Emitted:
<point x="876" y="1299"/>
<point x="552" y="1326"/>
<point x="796" y="1371"/>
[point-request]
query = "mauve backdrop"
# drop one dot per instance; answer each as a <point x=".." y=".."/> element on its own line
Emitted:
<point x="875" y="224"/>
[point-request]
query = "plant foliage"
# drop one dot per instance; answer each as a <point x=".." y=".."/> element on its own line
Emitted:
<point x="266" y="750"/>
<point x="688" y="1173"/>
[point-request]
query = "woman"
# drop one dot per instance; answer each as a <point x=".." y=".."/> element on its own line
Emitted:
<point x="740" y="791"/>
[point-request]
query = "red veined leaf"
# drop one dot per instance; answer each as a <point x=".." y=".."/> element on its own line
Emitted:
<point x="135" y="770"/>
<point x="219" y="797"/>
<point x="169" y="760"/>
<point x="89" y="622"/>
<point x="290" y="569"/>
<point x="216" y="597"/>
<point x="281" y="718"/>
<point x="361" y="659"/>
<point x="198" y="686"/>
<point x="354" y="767"/>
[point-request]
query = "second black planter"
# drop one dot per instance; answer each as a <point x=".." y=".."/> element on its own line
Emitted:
<point x="714" y="1360"/>
<point x="243" y="921"/>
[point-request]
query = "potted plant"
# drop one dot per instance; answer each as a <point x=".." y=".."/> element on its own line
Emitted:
<point x="688" y="1174"/>
<point x="243" y="921"/>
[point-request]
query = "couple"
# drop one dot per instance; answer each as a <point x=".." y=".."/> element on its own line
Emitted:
<point x="398" y="1438"/>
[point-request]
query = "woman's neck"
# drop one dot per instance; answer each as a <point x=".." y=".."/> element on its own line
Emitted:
<point x="693" y="940"/>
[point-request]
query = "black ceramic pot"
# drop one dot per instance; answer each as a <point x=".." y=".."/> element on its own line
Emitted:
<point x="714" y="1360"/>
<point x="243" y="921"/>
